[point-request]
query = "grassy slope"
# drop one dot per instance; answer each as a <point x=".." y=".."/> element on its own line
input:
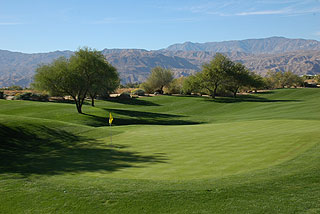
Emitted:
<point x="254" y="154"/>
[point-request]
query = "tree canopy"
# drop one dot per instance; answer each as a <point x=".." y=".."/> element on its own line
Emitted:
<point x="215" y="73"/>
<point x="158" y="79"/>
<point x="280" y="79"/>
<point x="224" y="75"/>
<point x="85" y="73"/>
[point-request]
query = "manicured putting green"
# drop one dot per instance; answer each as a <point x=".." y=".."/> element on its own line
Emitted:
<point x="207" y="151"/>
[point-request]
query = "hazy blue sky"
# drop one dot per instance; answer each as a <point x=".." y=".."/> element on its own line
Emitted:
<point x="43" y="25"/>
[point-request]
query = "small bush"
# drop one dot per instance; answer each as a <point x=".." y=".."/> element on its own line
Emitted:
<point x="15" y="87"/>
<point x="103" y="97"/>
<point x="175" y="87"/>
<point x="125" y="95"/>
<point x="1" y="95"/>
<point x="31" y="96"/>
<point x="147" y="87"/>
<point x="138" y="92"/>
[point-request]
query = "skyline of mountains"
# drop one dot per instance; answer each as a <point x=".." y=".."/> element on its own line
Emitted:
<point x="269" y="45"/>
<point x="260" y="55"/>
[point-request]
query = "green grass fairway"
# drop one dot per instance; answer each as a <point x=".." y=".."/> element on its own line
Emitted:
<point x="254" y="154"/>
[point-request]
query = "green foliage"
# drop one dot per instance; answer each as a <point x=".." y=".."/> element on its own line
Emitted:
<point x="14" y="87"/>
<point x="147" y="87"/>
<point x="256" y="82"/>
<point x="220" y="76"/>
<point x="125" y="95"/>
<point x="32" y="96"/>
<point x="158" y="79"/>
<point x="1" y="95"/>
<point x="138" y="92"/>
<point x="238" y="77"/>
<point x="175" y="87"/>
<point x="56" y="78"/>
<point x="215" y="73"/>
<point x="85" y="73"/>
<point x="191" y="84"/>
<point x="291" y="80"/>
<point x="287" y="79"/>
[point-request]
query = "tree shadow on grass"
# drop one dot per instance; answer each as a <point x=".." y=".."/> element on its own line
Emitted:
<point x="43" y="150"/>
<point x="86" y="102"/>
<point x="246" y="98"/>
<point x="132" y="101"/>
<point x="129" y="117"/>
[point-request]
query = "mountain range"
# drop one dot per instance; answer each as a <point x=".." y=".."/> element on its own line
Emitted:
<point x="259" y="55"/>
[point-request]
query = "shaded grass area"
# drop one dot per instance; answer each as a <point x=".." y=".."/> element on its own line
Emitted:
<point x="132" y="101"/>
<point x="249" y="98"/>
<point x="39" y="149"/>
<point x="129" y="117"/>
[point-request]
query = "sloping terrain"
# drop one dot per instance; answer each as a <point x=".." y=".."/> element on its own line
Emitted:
<point x="254" y="154"/>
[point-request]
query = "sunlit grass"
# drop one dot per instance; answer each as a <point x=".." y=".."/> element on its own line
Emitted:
<point x="255" y="154"/>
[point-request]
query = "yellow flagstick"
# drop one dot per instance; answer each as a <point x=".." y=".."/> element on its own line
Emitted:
<point x="110" y="122"/>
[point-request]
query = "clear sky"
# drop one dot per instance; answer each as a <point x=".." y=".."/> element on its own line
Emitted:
<point x="47" y="25"/>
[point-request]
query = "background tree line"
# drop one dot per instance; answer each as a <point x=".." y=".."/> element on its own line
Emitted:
<point x="221" y="76"/>
<point x="87" y="75"/>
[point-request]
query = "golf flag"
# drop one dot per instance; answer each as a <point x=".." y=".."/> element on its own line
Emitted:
<point x="110" y="118"/>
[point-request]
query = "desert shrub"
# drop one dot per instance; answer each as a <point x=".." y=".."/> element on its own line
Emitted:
<point x="191" y="85"/>
<point x="23" y="96"/>
<point x="125" y="95"/>
<point x="175" y="87"/>
<point x="15" y="87"/>
<point x="103" y="96"/>
<point x="31" y="96"/>
<point x="138" y="92"/>
<point x="147" y="87"/>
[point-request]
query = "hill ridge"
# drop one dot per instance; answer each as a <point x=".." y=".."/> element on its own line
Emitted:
<point x="300" y="56"/>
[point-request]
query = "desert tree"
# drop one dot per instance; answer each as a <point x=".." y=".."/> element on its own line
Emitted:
<point x="215" y="73"/>
<point x="76" y="76"/>
<point x="238" y="77"/>
<point x="158" y="79"/>
<point x="281" y="79"/>
<point x="191" y="84"/>
<point x="105" y="80"/>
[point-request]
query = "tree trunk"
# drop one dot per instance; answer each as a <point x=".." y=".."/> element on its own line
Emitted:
<point x="78" y="105"/>
<point x="92" y="101"/>
<point x="235" y="92"/>
<point x="214" y="93"/>
<point x="161" y="90"/>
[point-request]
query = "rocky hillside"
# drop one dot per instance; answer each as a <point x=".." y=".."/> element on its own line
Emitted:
<point x="270" y="45"/>
<point x="134" y="65"/>
<point x="299" y="62"/>
<point x="18" y="68"/>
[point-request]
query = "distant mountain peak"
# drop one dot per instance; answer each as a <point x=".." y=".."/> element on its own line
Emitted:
<point x="270" y="45"/>
<point x="260" y="55"/>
